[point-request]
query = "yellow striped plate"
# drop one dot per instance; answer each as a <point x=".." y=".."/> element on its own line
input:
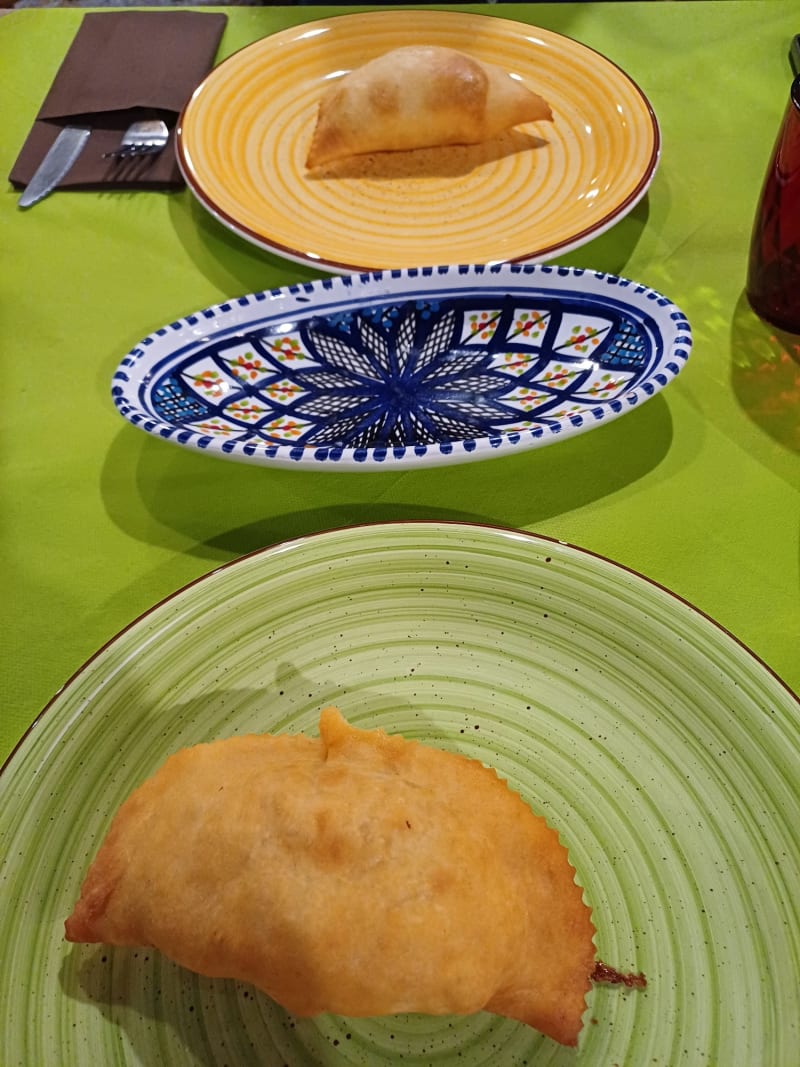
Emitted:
<point x="538" y="191"/>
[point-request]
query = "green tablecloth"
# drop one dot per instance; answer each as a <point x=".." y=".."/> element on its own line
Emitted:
<point x="699" y="489"/>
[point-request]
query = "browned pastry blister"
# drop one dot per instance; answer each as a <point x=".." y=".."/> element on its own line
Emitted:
<point x="356" y="873"/>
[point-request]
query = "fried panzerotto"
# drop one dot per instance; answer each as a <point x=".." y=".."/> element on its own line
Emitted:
<point x="420" y="96"/>
<point x="356" y="873"/>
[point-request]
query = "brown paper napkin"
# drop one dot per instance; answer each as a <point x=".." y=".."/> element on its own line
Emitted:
<point x="121" y="66"/>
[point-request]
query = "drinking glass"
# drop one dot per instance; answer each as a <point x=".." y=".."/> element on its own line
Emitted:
<point x="773" y="274"/>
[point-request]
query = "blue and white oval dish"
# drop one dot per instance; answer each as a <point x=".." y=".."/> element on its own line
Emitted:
<point x="413" y="367"/>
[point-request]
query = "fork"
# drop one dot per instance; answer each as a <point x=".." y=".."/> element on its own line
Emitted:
<point x="143" y="138"/>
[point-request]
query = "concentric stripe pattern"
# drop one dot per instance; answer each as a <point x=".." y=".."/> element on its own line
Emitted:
<point x="664" y="753"/>
<point x="538" y="190"/>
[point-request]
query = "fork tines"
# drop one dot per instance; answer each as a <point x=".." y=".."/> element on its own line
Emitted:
<point x="132" y="151"/>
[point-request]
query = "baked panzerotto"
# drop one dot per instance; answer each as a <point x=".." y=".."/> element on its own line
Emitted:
<point x="420" y="96"/>
<point x="356" y="873"/>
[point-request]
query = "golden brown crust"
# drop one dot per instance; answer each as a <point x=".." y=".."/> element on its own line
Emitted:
<point x="420" y="96"/>
<point x="356" y="873"/>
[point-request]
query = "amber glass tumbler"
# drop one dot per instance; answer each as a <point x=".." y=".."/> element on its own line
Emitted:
<point x="773" y="275"/>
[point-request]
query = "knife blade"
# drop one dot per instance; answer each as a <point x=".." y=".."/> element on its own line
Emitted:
<point x="61" y="156"/>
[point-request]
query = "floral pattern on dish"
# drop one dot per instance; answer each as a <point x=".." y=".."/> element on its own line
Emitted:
<point x="409" y="373"/>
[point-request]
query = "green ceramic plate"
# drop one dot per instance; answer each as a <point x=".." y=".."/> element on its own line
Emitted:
<point x="663" y="751"/>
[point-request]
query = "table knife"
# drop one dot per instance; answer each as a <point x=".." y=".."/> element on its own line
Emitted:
<point x="62" y="154"/>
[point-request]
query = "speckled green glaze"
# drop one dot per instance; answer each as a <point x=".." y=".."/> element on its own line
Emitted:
<point x="665" y="754"/>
